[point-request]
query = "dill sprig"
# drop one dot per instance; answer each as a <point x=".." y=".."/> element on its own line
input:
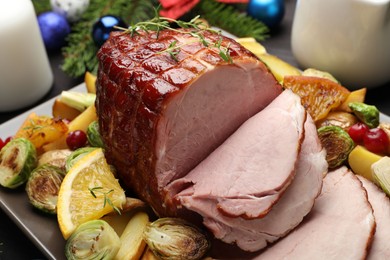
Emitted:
<point x="106" y="199"/>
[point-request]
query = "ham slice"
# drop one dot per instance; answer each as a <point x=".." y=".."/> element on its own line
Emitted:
<point x="298" y="200"/>
<point x="340" y="226"/>
<point x="380" y="248"/>
<point x="250" y="171"/>
<point x="159" y="115"/>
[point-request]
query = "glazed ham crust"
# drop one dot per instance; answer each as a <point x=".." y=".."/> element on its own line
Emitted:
<point x="159" y="115"/>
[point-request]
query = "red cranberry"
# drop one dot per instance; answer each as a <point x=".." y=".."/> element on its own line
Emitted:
<point x="376" y="140"/>
<point x="357" y="132"/>
<point x="76" y="139"/>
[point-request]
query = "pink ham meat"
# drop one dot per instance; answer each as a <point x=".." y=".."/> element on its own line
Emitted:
<point x="340" y="226"/>
<point x="380" y="248"/>
<point x="250" y="171"/>
<point x="159" y="115"/>
<point x="298" y="200"/>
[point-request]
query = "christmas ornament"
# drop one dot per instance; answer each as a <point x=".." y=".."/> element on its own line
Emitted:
<point x="71" y="9"/>
<point x="102" y="28"/>
<point x="270" y="12"/>
<point x="54" y="29"/>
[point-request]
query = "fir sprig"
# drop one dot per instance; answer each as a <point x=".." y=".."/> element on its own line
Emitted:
<point x="80" y="52"/>
<point x="231" y="19"/>
<point x="41" y="6"/>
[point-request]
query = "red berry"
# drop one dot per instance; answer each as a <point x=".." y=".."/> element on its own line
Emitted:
<point x="376" y="140"/>
<point x="76" y="139"/>
<point x="357" y="132"/>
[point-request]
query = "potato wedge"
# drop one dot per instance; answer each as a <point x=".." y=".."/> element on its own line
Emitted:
<point x="62" y="110"/>
<point x="90" y="81"/>
<point x="41" y="129"/>
<point x="148" y="255"/>
<point x="355" y="96"/>
<point x="81" y="122"/>
<point x="119" y="222"/>
<point x="360" y="161"/>
<point x="278" y="67"/>
<point x="133" y="244"/>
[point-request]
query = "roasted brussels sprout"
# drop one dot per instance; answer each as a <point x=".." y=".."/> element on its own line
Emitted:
<point x="338" y="144"/>
<point x="77" y="155"/>
<point x="54" y="157"/>
<point x="94" y="239"/>
<point x="93" y="135"/>
<point x="17" y="159"/>
<point x="174" y="238"/>
<point x="366" y="113"/>
<point x="42" y="187"/>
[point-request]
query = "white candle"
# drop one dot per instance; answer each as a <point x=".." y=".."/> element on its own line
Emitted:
<point x="25" y="73"/>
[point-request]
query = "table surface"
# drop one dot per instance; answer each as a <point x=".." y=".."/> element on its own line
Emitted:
<point x="15" y="245"/>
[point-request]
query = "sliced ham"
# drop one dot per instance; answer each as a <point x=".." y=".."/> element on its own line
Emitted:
<point x="298" y="200"/>
<point x="340" y="226"/>
<point x="250" y="171"/>
<point x="160" y="116"/>
<point x="380" y="248"/>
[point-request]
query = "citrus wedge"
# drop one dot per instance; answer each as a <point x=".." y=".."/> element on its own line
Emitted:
<point x="319" y="95"/>
<point x="88" y="191"/>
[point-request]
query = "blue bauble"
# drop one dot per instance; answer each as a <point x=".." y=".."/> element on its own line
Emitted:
<point x="102" y="28"/>
<point x="54" y="29"/>
<point x="270" y="12"/>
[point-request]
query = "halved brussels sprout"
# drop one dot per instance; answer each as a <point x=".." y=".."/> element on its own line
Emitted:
<point x="94" y="239"/>
<point x="54" y="157"/>
<point x="42" y="187"/>
<point x="368" y="114"/>
<point x="93" y="135"/>
<point x="17" y="159"/>
<point x="174" y="238"/>
<point x="337" y="143"/>
<point x="77" y="155"/>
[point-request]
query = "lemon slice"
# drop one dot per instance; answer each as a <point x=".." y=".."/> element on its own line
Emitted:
<point x="88" y="191"/>
<point x="252" y="45"/>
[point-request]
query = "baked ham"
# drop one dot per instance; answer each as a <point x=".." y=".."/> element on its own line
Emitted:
<point x="296" y="202"/>
<point x="160" y="115"/>
<point x="340" y="226"/>
<point x="380" y="248"/>
<point x="256" y="170"/>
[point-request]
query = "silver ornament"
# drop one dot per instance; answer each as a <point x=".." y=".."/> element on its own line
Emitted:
<point x="71" y="9"/>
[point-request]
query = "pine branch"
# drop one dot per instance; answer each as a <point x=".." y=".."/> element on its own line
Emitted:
<point x="232" y="20"/>
<point x="80" y="52"/>
<point x="41" y="6"/>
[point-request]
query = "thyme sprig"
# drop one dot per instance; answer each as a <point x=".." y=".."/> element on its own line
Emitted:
<point x="106" y="199"/>
<point x="33" y="126"/>
<point x="197" y="28"/>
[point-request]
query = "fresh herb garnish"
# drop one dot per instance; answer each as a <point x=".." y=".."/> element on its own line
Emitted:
<point x="33" y="126"/>
<point x="106" y="199"/>
<point x="196" y="27"/>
